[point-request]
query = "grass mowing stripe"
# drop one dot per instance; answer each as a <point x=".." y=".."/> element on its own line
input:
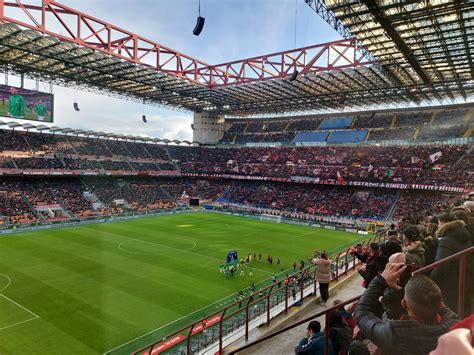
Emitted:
<point x="93" y="296"/>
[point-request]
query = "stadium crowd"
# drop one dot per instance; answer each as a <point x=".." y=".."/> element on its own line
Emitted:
<point x="312" y="200"/>
<point x="401" y="312"/>
<point x="412" y="164"/>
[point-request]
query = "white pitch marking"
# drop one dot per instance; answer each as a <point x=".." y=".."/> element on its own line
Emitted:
<point x="154" y="330"/>
<point x="128" y="251"/>
<point x="35" y="316"/>
<point x="8" y="284"/>
<point x="23" y="321"/>
<point x="166" y="246"/>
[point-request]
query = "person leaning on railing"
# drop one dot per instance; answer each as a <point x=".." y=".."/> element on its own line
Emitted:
<point x="425" y="321"/>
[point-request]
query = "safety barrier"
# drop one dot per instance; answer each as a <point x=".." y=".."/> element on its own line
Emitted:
<point x="463" y="264"/>
<point x="215" y="331"/>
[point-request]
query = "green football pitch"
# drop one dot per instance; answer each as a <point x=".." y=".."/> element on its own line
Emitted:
<point x="114" y="287"/>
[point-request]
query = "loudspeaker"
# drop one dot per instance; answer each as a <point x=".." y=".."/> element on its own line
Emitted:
<point x="76" y="106"/>
<point x="293" y="76"/>
<point x="144" y="118"/>
<point x="199" y="25"/>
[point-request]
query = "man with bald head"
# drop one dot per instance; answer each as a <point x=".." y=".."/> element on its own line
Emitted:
<point x="425" y="319"/>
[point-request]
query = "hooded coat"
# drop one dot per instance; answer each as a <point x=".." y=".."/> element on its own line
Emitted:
<point x="453" y="237"/>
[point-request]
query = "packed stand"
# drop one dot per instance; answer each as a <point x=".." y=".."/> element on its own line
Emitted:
<point x="91" y="146"/>
<point x="6" y="163"/>
<point x="276" y="126"/>
<point x="303" y="125"/>
<point x="437" y="134"/>
<point x="14" y="208"/>
<point x="82" y="164"/>
<point x="48" y="143"/>
<point x="423" y="164"/>
<point x="39" y="163"/>
<point x="14" y="141"/>
<point x="407" y="133"/>
<point x="181" y="189"/>
<point x="454" y="117"/>
<point x="139" y="194"/>
<point x="312" y="200"/>
<point x="413" y="119"/>
<point x="71" y="194"/>
<point x="115" y="165"/>
<point x="419" y="204"/>
<point x="374" y="121"/>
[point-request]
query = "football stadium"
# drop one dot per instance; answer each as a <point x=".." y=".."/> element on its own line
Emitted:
<point x="316" y="199"/>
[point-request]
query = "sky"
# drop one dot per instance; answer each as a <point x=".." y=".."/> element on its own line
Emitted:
<point x="234" y="29"/>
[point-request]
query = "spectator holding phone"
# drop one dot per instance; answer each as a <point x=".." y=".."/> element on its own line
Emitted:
<point x="417" y="333"/>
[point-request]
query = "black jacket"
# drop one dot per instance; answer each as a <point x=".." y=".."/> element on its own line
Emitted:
<point x="452" y="238"/>
<point x="430" y="244"/>
<point x="341" y="337"/>
<point x="392" y="303"/>
<point x="373" y="268"/>
<point x="407" y="337"/>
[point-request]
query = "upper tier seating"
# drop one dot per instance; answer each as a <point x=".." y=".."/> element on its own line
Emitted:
<point x="336" y="122"/>
<point x="434" y="134"/>
<point x="308" y="137"/>
<point x="373" y="121"/>
<point x="454" y="117"/>
<point x="347" y="136"/>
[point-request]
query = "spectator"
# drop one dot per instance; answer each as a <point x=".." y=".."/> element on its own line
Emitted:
<point x="346" y="315"/>
<point x="375" y="265"/>
<point x="313" y="343"/>
<point x="360" y="253"/>
<point x="461" y="215"/>
<point x="323" y="276"/>
<point x="426" y="319"/>
<point x="339" y="333"/>
<point x="392" y="231"/>
<point x="453" y="238"/>
<point x="430" y="241"/>
<point x="358" y="348"/>
<point x="414" y="252"/>
<point x="391" y="247"/>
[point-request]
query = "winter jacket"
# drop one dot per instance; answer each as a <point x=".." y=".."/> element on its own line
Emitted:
<point x="392" y="303"/>
<point x="415" y="254"/>
<point x="313" y="345"/>
<point x="323" y="270"/>
<point x="452" y="238"/>
<point x="407" y="337"/>
<point x="430" y="244"/>
<point x="341" y="337"/>
<point x="373" y="268"/>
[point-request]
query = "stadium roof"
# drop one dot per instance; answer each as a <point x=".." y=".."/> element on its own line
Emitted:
<point x="394" y="53"/>
<point x="79" y="132"/>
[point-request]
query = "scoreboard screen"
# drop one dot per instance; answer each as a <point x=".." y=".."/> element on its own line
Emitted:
<point x="26" y="104"/>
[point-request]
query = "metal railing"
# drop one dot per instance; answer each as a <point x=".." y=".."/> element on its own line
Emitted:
<point x="220" y="328"/>
<point x="463" y="264"/>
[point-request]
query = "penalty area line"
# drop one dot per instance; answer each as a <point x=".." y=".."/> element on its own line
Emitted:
<point x="35" y="316"/>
